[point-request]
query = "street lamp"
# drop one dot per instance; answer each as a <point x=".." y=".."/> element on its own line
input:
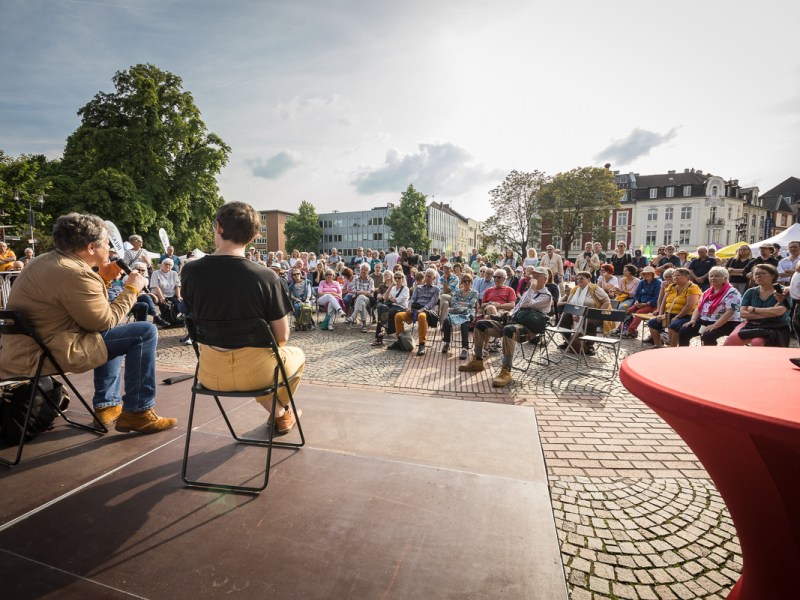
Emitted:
<point x="31" y="215"/>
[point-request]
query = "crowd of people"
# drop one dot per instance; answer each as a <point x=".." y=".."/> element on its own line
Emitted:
<point x="747" y="300"/>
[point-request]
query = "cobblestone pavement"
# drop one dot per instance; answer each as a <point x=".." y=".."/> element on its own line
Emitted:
<point x="636" y="513"/>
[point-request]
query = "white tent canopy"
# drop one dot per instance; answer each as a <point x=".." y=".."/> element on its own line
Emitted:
<point x="783" y="238"/>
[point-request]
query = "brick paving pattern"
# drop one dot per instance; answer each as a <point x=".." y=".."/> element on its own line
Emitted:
<point x="636" y="513"/>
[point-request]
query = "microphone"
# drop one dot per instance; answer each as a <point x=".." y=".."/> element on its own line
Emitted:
<point x="127" y="270"/>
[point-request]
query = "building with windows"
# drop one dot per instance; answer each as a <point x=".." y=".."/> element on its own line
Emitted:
<point x="271" y="237"/>
<point x="443" y="228"/>
<point x="783" y="205"/>
<point x="347" y="231"/>
<point x="686" y="209"/>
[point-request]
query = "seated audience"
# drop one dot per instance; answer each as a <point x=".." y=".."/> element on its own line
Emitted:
<point x="394" y="300"/>
<point x="300" y="290"/>
<point x="585" y="293"/>
<point x="424" y="299"/>
<point x="626" y="287"/>
<point x="717" y="313"/>
<point x="763" y="314"/>
<point x="329" y="297"/>
<point x="677" y="305"/>
<point x="361" y="289"/>
<point x="463" y="306"/>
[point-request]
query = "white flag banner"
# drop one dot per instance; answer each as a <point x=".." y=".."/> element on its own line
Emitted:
<point x="115" y="238"/>
<point x="162" y="235"/>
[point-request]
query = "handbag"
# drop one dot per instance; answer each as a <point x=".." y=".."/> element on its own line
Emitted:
<point x="14" y="407"/>
<point x="533" y="320"/>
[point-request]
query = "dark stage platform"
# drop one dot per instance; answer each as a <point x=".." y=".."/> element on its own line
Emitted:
<point x="394" y="496"/>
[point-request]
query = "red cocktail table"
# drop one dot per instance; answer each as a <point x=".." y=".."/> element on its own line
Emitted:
<point x="738" y="409"/>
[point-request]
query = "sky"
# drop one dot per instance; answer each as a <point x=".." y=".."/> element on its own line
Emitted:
<point x="345" y="103"/>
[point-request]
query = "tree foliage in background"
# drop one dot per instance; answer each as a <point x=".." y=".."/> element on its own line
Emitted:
<point x="303" y="231"/>
<point x="515" y="222"/>
<point x="27" y="176"/>
<point x="143" y="158"/>
<point x="408" y="221"/>
<point x="579" y="201"/>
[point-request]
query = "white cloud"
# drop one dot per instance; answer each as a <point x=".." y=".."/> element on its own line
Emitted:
<point x="638" y="143"/>
<point x="436" y="168"/>
<point x="275" y="166"/>
<point x="313" y="105"/>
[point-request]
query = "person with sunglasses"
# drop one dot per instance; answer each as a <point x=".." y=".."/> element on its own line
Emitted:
<point x="299" y="291"/>
<point x="393" y="301"/>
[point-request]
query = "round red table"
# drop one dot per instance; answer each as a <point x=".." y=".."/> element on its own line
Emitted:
<point x="738" y="409"/>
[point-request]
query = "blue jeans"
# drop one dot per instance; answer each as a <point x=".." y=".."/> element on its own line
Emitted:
<point x="136" y="342"/>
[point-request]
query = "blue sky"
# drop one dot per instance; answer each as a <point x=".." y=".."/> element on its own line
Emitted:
<point x="345" y="103"/>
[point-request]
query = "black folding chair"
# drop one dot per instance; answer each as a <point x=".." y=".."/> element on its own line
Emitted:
<point x="13" y="322"/>
<point x="247" y="333"/>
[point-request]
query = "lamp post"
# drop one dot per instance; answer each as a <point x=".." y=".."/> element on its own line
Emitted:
<point x="31" y="214"/>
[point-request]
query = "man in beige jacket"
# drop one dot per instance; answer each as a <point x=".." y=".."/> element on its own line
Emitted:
<point x="66" y="301"/>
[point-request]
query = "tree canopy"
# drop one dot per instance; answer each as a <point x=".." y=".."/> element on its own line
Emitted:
<point x="408" y="221"/>
<point x="143" y="158"/>
<point x="303" y="230"/>
<point x="515" y="222"/>
<point x="578" y="201"/>
<point x="26" y="177"/>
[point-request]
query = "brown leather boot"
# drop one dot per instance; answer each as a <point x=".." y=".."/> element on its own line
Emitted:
<point x="107" y="415"/>
<point x="143" y="422"/>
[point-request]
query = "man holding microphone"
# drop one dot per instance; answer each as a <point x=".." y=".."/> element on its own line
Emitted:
<point x="63" y="295"/>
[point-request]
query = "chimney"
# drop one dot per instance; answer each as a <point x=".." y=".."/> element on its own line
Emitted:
<point x="671" y="172"/>
<point x="686" y="170"/>
<point x="699" y="172"/>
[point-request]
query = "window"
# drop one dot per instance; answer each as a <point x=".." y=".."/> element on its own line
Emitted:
<point x="377" y="236"/>
<point x="728" y="238"/>
<point x="783" y="220"/>
<point x="667" y="236"/>
<point x="714" y="191"/>
<point x="652" y="214"/>
<point x="686" y="212"/>
<point x="576" y="243"/>
<point x="654" y="192"/>
<point x="687" y="191"/>
<point x="668" y="213"/>
<point x="650" y="238"/>
<point x="671" y="191"/>
<point x="622" y="219"/>
<point x="684" y="237"/>
<point x="556" y="242"/>
<point x="730" y="213"/>
<point x="754" y="223"/>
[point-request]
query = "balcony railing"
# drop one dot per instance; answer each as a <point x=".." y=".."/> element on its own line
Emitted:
<point x="715" y="223"/>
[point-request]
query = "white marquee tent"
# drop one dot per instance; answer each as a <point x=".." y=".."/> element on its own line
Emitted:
<point x="783" y="238"/>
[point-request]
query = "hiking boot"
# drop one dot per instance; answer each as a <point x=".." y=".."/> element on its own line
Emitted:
<point x="445" y="348"/>
<point x="421" y="350"/>
<point x="464" y="354"/>
<point x="143" y="422"/>
<point x="286" y="422"/>
<point x="107" y="415"/>
<point x="503" y="377"/>
<point x="474" y="365"/>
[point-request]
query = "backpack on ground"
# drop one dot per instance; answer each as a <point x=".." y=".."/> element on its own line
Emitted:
<point x="305" y="318"/>
<point x="14" y="407"/>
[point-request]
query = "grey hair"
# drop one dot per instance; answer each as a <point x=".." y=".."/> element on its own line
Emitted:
<point x="721" y="271"/>
<point x="433" y="272"/>
<point x="75" y="231"/>
<point x="331" y="271"/>
<point x="135" y="238"/>
<point x="138" y="265"/>
<point x="702" y="248"/>
<point x="168" y="261"/>
<point x="499" y="272"/>
<point x="668" y="273"/>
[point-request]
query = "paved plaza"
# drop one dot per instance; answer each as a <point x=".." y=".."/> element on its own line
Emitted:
<point x="636" y="514"/>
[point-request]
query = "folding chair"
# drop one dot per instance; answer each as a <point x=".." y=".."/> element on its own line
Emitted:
<point x="245" y="333"/>
<point x="14" y="323"/>
<point x="538" y="344"/>
<point x="552" y="331"/>
<point x="614" y="341"/>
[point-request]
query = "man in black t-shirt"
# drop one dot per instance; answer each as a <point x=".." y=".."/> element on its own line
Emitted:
<point x="700" y="267"/>
<point x="225" y="286"/>
<point x="765" y="257"/>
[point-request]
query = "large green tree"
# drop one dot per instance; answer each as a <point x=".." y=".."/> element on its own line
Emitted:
<point x="303" y="230"/>
<point x="577" y="202"/>
<point x="143" y="158"/>
<point x="515" y="222"/>
<point x="24" y="183"/>
<point x="408" y="221"/>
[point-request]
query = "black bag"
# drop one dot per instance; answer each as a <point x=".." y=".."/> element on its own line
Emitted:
<point x="432" y="317"/>
<point x="404" y="342"/>
<point x="169" y="312"/>
<point x="15" y="405"/>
